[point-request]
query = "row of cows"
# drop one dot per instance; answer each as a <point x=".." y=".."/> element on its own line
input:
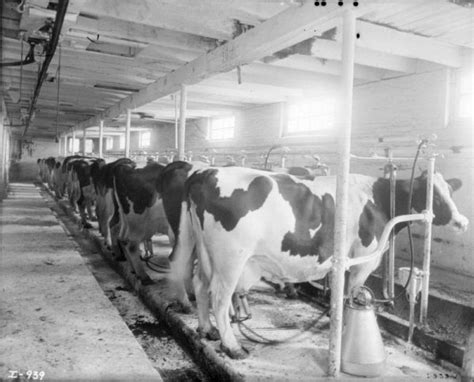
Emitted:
<point x="240" y="224"/>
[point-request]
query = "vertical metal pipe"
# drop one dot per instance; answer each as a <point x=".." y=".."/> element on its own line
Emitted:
<point x="182" y="122"/>
<point x="73" y="151"/>
<point x="84" y="137"/>
<point x="391" y="247"/>
<point x="101" y="138"/>
<point x="340" y="245"/>
<point x="427" y="244"/>
<point x="127" y="133"/>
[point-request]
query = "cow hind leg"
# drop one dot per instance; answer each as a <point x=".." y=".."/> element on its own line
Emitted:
<point x="201" y="289"/>
<point x="222" y="289"/>
<point x="82" y="213"/>
<point x="132" y="253"/>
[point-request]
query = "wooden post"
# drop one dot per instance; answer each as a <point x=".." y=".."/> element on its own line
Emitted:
<point x="73" y="142"/>
<point x="182" y="123"/>
<point x="101" y="138"/>
<point x="127" y="133"/>
<point x="427" y="244"/>
<point x="65" y="146"/>
<point x="340" y="245"/>
<point x="84" y="137"/>
<point x="175" y="96"/>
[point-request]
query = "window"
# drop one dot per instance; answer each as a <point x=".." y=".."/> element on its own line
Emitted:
<point x="122" y="142"/>
<point x="109" y="143"/>
<point x="465" y="101"/>
<point x="221" y="128"/>
<point x="310" y="117"/>
<point x="145" y="139"/>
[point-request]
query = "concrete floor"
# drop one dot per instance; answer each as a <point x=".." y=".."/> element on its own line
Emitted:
<point x="55" y="318"/>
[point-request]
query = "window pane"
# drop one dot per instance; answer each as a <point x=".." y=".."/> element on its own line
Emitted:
<point x="311" y="116"/>
<point x="145" y="139"/>
<point x="122" y="142"/>
<point x="222" y="128"/>
<point x="109" y="143"/>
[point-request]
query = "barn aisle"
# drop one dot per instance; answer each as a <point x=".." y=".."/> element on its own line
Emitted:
<point x="55" y="318"/>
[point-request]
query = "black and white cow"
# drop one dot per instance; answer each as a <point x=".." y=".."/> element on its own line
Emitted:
<point x="284" y="228"/>
<point x="103" y="178"/>
<point x="81" y="189"/>
<point x="140" y="210"/>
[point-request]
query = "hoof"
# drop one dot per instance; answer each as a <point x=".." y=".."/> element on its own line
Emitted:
<point x="180" y="307"/>
<point x="146" y="281"/>
<point x="290" y="291"/>
<point x="212" y="334"/>
<point x="86" y="225"/>
<point x="241" y="353"/>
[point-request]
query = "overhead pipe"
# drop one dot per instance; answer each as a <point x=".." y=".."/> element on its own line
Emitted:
<point x="53" y="43"/>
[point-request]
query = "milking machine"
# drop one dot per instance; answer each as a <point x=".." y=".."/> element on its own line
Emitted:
<point x="362" y="347"/>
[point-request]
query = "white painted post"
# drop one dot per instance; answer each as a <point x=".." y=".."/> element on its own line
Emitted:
<point x="73" y="142"/>
<point x="101" y="138"/>
<point x="65" y="146"/>
<point x="127" y="133"/>
<point x="84" y="137"/>
<point x="427" y="244"/>
<point x="175" y="96"/>
<point x="340" y="245"/>
<point x="182" y="123"/>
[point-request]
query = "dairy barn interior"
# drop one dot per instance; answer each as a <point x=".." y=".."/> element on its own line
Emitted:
<point x="294" y="95"/>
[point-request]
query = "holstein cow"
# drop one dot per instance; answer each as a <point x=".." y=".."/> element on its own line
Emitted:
<point x="140" y="208"/>
<point x="81" y="190"/>
<point x="62" y="174"/>
<point x="103" y="179"/>
<point x="284" y="226"/>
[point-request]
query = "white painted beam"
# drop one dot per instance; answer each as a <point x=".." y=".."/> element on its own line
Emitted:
<point x="120" y="29"/>
<point x="101" y="138"/>
<point x="283" y="30"/>
<point x="127" y="133"/>
<point x="182" y="122"/>
<point x="332" y="50"/>
<point x="342" y="192"/>
<point x="84" y="138"/>
<point x="388" y="40"/>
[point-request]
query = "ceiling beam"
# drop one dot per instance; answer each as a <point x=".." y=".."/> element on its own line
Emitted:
<point x="309" y="64"/>
<point x="391" y="41"/>
<point x="283" y="30"/>
<point x="107" y="26"/>
<point x="332" y="50"/>
<point x="173" y="16"/>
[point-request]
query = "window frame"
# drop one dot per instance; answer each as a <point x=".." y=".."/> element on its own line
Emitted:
<point x="211" y="128"/>
<point x="140" y="139"/>
<point x="327" y="130"/>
